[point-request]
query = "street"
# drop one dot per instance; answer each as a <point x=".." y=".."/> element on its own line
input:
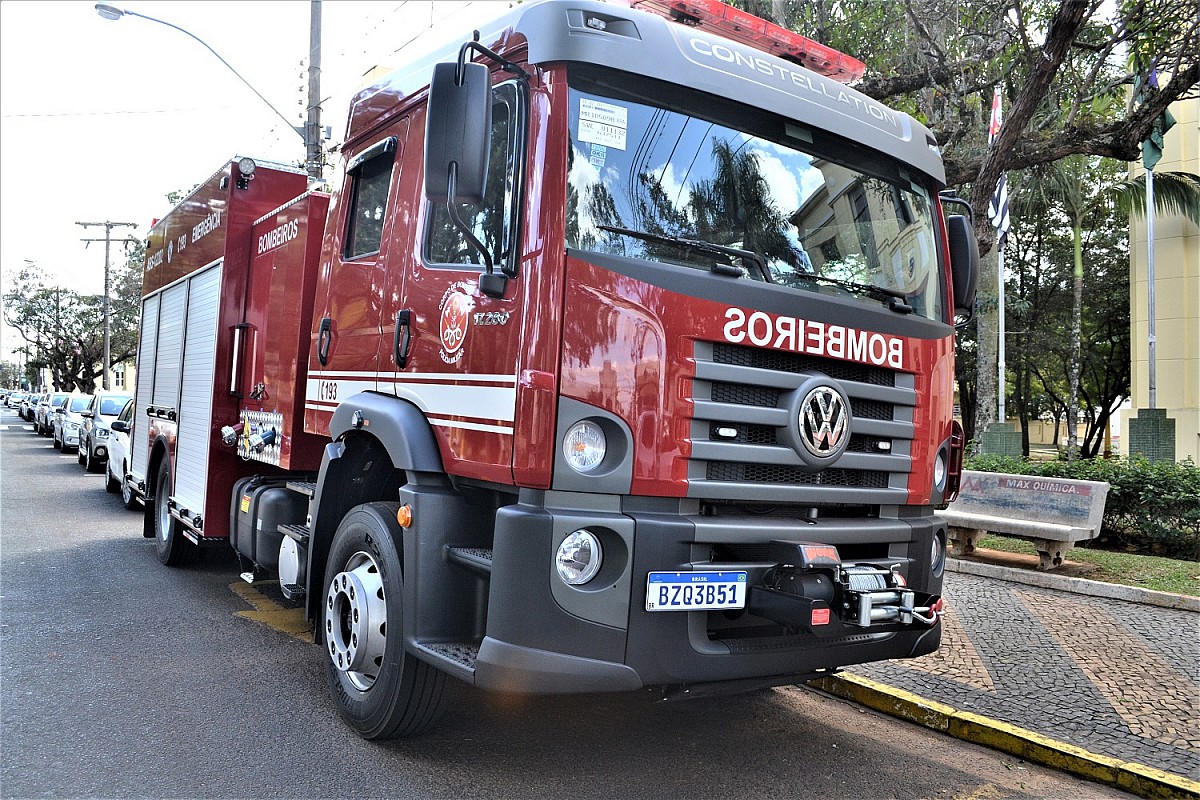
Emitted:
<point x="124" y="678"/>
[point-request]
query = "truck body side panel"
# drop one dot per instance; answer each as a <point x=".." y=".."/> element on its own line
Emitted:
<point x="195" y="432"/>
<point x="147" y="346"/>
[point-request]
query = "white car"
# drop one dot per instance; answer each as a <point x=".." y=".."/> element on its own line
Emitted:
<point x="44" y="420"/>
<point x="68" y="422"/>
<point x="116" y="470"/>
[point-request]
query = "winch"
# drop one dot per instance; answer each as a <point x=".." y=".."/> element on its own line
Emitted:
<point x="811" y="588"/>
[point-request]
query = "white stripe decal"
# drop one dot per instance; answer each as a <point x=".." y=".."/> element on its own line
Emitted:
<point x="442" y="399"/>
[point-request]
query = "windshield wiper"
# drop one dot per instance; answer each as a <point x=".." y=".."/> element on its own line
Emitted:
<point x="897" y="301"/>
<point x="702" y="247"/>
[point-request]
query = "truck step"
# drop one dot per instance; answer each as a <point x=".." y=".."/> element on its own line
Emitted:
<point x="297" y="532"/>
<point x="456" y="658"/>
<point x="306" y="488"/>
<point x="476" y="559"/>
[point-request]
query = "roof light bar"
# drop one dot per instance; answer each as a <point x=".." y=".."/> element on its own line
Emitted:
<point x="741" y="26"/>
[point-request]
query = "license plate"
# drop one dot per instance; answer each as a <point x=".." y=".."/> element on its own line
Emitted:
<point x="695" y="591"/>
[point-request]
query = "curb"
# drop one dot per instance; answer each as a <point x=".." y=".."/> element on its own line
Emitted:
<point x="1129" y="776"/>
<point x="1046" y="580"/>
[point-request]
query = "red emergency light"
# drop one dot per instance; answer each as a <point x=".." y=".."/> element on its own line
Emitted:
<point x="743" y="27"/>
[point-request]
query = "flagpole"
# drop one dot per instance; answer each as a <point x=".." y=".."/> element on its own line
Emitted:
<point x="1000" y="386"/>
<point x="1150" y="282"/>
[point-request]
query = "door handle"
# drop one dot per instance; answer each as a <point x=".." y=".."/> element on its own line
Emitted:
<point x="402" y="338"/>
<point x="324" y="337"/>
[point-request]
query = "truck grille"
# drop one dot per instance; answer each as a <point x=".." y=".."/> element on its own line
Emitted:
<point x="741" y="448"/>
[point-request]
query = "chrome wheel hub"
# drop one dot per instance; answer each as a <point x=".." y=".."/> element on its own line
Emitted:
<point x="356" y="621"/>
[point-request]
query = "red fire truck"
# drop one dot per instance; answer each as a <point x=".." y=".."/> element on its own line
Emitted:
<point x="621" y="359"/>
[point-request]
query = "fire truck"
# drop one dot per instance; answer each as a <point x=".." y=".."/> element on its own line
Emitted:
<point x="620" y="359"/>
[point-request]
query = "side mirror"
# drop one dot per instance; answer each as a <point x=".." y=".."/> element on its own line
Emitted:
<point x="964" y="263"/>
<point x="119" y="426"/>
<point x="86" y="414"/>
<point x="458" y="129"/>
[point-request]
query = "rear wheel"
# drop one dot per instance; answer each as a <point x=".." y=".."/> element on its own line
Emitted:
<point x="172" y="547"/>
<point x="111" y="484"/>
<point x="381" y="691"/>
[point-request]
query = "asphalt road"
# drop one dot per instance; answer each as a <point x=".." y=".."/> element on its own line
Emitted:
<point x="123" y="678"/>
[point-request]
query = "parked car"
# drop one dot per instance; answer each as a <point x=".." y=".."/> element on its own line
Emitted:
<point x="14" y="400"/>
<point x="68" y="421"/>
<point x="93" y="438"/>
<point x="116" y="470"/>
<point x="28" y="404"/>
<point x="44" y="420"/>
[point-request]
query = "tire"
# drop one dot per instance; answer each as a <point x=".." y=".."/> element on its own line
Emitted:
<point x="90" y="462"/>
<point x="111" y="485"/>
<point x="128" y="498"/>
<point x="173" y="548"/>
<point x="57" y="444"/>
<point x="79" y="451"/>
<point x="381" y="691"/>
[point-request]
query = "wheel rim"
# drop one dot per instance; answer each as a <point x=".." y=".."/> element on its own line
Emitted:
<point x="126" y="491"/>
<point x="356" y="621"/>
<point x="164" y="514"/>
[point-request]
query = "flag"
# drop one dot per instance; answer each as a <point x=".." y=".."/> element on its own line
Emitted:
<point x="998" y="205"/>
<point x="1152" y="145"/>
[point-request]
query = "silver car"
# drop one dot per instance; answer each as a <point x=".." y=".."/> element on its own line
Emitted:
<point x="44" y="421"/>
<point x="68" y="422"/>
<point x="93" y="441"/>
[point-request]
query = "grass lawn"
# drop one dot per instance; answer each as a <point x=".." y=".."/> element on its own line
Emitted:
<point x="1146" y="572"/>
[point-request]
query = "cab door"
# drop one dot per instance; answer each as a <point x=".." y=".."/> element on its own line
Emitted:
<point x="454" y="351"/>
<point x="348" y="323"/>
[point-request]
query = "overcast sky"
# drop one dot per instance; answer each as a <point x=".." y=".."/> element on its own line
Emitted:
<point x="101" y="119"/>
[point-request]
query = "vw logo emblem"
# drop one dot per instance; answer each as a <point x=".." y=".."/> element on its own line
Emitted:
<point x="824" y="422"/>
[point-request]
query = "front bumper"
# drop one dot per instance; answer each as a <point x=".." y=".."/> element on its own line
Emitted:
<point x="543" y="636"/>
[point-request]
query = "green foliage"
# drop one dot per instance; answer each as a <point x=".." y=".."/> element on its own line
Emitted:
<point x="1152" y="506"/>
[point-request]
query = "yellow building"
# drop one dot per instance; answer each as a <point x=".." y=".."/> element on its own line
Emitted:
<point x="1177" y="297"/>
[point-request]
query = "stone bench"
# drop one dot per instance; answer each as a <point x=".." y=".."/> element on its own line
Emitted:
<point x="1052" y="513"/>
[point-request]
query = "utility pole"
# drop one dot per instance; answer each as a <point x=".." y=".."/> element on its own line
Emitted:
<point x="312" y="125"/>
<point x="108" y="226"/>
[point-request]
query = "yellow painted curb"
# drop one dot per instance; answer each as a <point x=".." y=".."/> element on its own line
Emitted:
<point x="1127" y="775"/>
<point x="267" y="612"/>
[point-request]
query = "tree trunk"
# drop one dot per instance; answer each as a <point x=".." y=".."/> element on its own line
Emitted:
<point x="986" y="338"/>
<point x="1076" y="359"/>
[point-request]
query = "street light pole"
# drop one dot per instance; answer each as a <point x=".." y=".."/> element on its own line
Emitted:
<point x="310" y="132"/>
<point x="108" y="226"/>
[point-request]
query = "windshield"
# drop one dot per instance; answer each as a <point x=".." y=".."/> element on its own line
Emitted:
<point x="111" y="406"/>
<point x="80" y="403"/>
<point x="642" y="176"/>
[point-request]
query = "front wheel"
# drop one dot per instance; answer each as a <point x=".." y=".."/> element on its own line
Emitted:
<point x="128" y="498"/>
<point x="381" y="691"/>
<point x="172" y="547"/>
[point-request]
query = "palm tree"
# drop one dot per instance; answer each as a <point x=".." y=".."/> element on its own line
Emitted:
<point x="1078" y="186"/>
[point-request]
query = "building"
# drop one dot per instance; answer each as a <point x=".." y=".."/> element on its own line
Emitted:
<point x="1177" y="297"/>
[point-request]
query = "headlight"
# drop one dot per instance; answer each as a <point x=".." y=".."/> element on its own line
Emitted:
<point x="102" y="433"/>
<point x="578" y="558"/>
<point x="72" y="426"/>
<point x="584" y="446"/>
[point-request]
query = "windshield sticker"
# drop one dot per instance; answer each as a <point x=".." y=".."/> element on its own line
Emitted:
<point x="599" y="155"/>
<point x="602" y="123"/>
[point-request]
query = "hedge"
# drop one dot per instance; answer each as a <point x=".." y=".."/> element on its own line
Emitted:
<point x="1153" y="507"/>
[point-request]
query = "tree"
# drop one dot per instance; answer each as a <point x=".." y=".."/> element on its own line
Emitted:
<point x="1065" y="72"/>
<point x="63" y="330"/>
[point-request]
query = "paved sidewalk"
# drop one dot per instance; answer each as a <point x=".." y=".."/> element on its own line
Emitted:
<point x="1060" y="671"/>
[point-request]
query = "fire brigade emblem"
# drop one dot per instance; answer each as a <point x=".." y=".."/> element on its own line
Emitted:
<point x="455" y="321"/>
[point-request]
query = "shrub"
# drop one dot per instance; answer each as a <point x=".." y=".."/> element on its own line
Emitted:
<point x="1152" y="506"/>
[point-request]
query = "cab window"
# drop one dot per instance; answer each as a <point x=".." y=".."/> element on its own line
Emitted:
<point x="371" y="177"/>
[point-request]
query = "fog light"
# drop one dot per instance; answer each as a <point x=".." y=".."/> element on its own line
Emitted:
<point x="578" y="558"/>
<point x="939" y="471"/>
<point x="937" y="555"/>
<point x="584" y="446"/>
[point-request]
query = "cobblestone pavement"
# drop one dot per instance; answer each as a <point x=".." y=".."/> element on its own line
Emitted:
<point x="1116" y="678"/>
